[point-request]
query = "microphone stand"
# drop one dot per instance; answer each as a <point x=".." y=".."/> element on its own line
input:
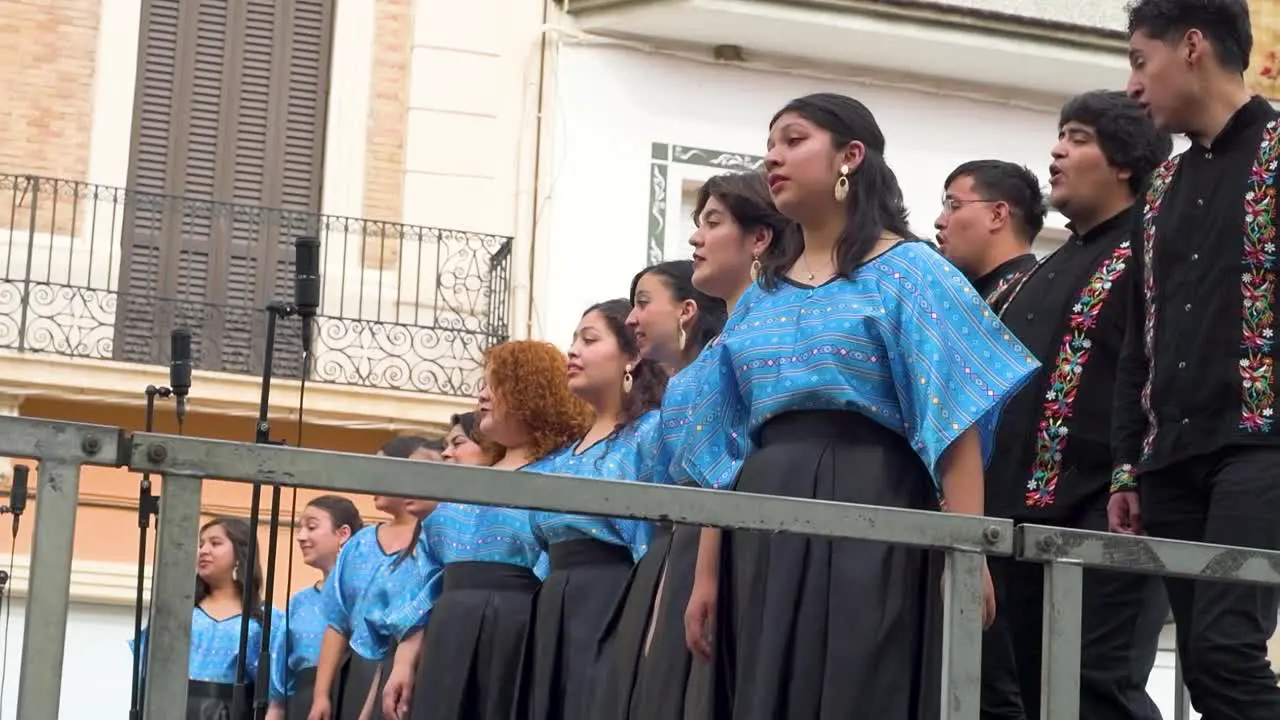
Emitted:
<point x="148" y="505"/>
<point x="275" y="312"/>
<point x="306" y="302"/>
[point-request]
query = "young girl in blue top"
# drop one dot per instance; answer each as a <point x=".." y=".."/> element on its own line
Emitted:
<point x="325" y="525"/>
<point x="221" y="569"/>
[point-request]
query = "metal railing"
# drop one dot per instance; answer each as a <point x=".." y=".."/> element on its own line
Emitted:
<point x="63" y="448"/>
<point x="102" y="272"/>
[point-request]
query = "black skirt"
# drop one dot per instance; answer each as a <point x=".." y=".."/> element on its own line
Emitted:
<point x="474" y="643"/>
<point x="298" y="706"/>
<point x="622" y="643"/>
<point x="820" y="629"/>
<point x="358" y="678"/>
<point x="670" y="683"/>
<point x="213" y="701"/>
<point x="559" y="676"/>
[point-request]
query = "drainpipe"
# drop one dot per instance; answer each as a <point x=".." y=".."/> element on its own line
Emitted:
<point x="525" y="254"/>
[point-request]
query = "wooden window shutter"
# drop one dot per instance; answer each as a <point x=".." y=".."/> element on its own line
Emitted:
<point x="225" y="170"/>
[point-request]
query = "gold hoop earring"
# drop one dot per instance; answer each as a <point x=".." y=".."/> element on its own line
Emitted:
<point x="842" y="184"/>
<point x="627" y="380"/>
<point x="755" y="269"/>
<point x="684" y="338"/>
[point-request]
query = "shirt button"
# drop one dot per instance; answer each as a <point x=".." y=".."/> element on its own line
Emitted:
<point x="1052" y="275"/>
<point x="1187" y="307"/>
<point x="1208" y="156"/>
<point x="1195" y="256"/>
<point x="1031" y="316"/>
<point x="1185" y="421"/>
<point x="1182" y="366"/>
<point x="1200" y="201"/>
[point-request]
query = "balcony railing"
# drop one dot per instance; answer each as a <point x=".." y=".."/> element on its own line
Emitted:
<point x="102" y="272"/>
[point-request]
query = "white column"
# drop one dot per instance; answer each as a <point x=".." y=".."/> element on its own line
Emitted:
<point x="350" y="85"/>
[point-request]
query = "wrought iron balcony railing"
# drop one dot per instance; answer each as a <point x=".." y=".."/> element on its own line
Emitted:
<point x="102" y="272"/>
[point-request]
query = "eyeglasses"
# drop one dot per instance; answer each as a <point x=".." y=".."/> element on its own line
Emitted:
<point x="950" y="204"/>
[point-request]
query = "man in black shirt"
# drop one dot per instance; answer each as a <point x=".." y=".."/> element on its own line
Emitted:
<point x="1052" y="458"/>
<point x="991" y="211"/>
<point x="1195" y="430"/>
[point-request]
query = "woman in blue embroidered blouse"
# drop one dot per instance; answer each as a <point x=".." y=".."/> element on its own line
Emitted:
<point x="591" y="557"/>
<point x="326" y="524"/>
<point x="369" y="576"/>
<point x="222" y="564"/>
<point x="862" y="368"/>
<point x="465" y="663"/>
<point x="651" y="673"/>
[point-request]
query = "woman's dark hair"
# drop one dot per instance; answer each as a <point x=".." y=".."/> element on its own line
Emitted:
<point x="677" y="275"/>
<point x="341" y="511"/>
<point x="1126" y="135"/>
<point x="746" y="197"/>
<point x="470" y="425"/>
<point x="875" y="204"/>
<point x="648" y="378"/>
<point x="240" y="535"/>
<point x="404" y="446"/>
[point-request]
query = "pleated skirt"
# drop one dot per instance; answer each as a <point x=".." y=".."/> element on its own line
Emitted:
<point x="298" y="706"/>
<point x="560" y="671"/>
<point x="213" y="701"/>
<point x="474" y="643"/>
<point x="821" y="629"/>
<point x="670" y="682"/>
<point x="622" y="643"/>
<point x="358" y="679"/>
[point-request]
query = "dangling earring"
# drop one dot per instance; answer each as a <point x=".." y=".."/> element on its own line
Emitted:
<point x="627" y="380"/>
<point x="235" y="573"/>
<point x="684" y="338"/>
<point x="755" y="268"/>
<point x="842" y="184"/>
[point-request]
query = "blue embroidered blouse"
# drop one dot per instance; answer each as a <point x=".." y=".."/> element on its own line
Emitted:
<point x="302" y="649"/>
<point x="366" y="581"/>
<point x="215" y="646"/>
<point x="905" y="340"/>
<point x="617" y="457"/>
<point x="456" y="532"/>
<point x="658" y="453"/>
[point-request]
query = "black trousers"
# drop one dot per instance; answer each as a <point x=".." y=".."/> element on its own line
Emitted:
<point x="1228" y="497"/>
<point x="1122" y="616"/>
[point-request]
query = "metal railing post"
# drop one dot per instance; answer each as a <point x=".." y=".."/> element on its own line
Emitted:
<point x="1060" y="651"/>
<point x="169" y="635"/>
<point x="61" y="449"/>
<point x="962" y="637"/>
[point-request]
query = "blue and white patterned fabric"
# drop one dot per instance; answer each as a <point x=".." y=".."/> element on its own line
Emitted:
<point x="366" y="581"/>
<point x="215" y="646"/>
<point x="618" y="457"/>
<point x="306" y="632"/>
<point x="905" y="340"/>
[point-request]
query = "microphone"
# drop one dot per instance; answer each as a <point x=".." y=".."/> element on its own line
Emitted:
<point x="180" y="368"/>
<point x="18" y="494"/>
<point x="306" y="284"/>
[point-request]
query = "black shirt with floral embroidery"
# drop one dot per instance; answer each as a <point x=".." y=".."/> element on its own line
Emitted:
<point x="1198" y="370"/>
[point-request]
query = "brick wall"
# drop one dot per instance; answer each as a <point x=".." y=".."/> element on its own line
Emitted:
<point x="47" y="59"/>
<point x="388" y="126"/>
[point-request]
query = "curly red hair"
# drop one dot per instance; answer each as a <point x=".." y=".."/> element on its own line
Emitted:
<point x="528" y="378"/>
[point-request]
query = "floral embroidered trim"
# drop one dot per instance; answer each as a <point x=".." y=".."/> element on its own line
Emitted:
<point x="994" y="296"/>
<point x="1124" y="478"/>
<point x="1257" y="288"/>
<point x="1064" y="379"/>
<point x="1155" y="196"/>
